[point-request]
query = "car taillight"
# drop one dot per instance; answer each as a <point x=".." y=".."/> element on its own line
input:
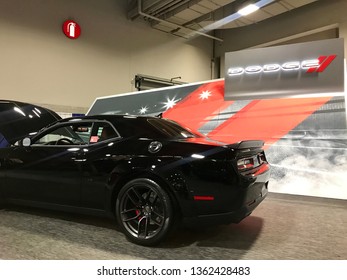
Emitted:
<point x="245" y="163"/>
<point x="261" y="158"/>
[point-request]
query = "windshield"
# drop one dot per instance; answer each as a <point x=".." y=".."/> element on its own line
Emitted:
<point x="71" y="134"/>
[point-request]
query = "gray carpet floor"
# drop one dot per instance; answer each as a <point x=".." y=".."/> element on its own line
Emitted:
<point x="282" y="227"/>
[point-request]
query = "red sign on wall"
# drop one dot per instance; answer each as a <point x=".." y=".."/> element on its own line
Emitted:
<point x="71" y="29"/>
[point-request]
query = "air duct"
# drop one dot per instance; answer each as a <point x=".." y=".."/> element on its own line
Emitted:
<point x="140" y="12"/>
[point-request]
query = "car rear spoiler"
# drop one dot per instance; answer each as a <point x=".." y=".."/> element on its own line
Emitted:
<point x="248" y="144"/>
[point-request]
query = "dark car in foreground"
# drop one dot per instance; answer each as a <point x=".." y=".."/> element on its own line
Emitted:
<point x="148" y="172"/>
<point x="18" y="119"/>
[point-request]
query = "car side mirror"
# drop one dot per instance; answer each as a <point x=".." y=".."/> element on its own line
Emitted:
<point x="26" y="142"/>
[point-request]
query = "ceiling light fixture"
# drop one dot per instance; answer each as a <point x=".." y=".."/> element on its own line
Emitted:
<point x="250" y="8"/>
<point x="234" y="16"/>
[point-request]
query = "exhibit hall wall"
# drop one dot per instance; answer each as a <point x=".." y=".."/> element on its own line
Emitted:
<point x="39" y="64"/>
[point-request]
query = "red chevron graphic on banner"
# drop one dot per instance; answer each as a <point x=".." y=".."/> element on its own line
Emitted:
<point x="200" y="106"/>
<point x="324" y="62"/>
<point x="268" y="120"/>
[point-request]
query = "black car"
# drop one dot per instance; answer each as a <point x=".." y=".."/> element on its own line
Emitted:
<point x="148" y="172"/>
<point x="18" y="119"/>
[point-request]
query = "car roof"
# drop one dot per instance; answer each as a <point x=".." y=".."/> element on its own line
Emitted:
<point x="131" y="125"/>
<point x="114" y="117"/>
<point x="110" y="118"/>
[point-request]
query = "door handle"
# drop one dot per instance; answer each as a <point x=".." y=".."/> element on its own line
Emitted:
<point x="79" y="160"/>
<point x="79" y="157"/>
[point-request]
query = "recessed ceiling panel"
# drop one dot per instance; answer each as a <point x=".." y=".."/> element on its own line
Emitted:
<point x="275" y="9"/>
<point x="200" y="9"/>
<point x="222" y="2"/>
<point x="163" y="27"/>
<point x="168" y="25"/>
<point x="177" y="20"/>
<point x="299" y="3"/>
<point x="209" y="4"/>
<point x="258" y="16"/>
<point x="232" y="24"/>
<point x="188" y="14"/>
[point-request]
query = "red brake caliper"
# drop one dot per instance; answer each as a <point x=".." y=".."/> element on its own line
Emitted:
<point x="137" y="213"/>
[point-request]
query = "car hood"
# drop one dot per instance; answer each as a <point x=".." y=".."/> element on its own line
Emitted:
<point x="18" y="119"/>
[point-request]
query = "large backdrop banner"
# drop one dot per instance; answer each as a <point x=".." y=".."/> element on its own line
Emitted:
<point x="305" y="138"/>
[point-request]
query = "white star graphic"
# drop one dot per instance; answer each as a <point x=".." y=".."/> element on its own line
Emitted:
<point x="170" y="103"/>
<point x="205" y="94"/>
<point x="143" y="110"/>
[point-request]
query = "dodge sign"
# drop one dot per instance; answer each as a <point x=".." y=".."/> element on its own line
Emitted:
<point x="285" y="71"/>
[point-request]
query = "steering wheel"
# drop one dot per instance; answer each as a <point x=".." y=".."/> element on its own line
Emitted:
<point x="64" y="141"/>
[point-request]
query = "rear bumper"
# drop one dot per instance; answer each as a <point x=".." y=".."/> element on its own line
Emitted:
<point x="229" y="217"/>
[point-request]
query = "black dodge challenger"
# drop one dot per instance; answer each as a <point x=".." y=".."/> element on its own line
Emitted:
<point x="147" y="171"/>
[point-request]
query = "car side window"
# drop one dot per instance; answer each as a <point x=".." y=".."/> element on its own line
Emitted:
<point x="102" y="131"/>
<point x="67" y="134"/>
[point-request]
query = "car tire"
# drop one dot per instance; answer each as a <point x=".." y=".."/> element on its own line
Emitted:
<point x="144" y="212"/>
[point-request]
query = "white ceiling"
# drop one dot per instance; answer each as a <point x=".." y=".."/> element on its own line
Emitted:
<point x="186" y="18"/>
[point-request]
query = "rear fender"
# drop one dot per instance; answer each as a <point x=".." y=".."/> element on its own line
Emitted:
<point x="143" y="167"/>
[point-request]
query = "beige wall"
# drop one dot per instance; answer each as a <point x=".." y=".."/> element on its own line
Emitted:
<point x="39" y="64"/>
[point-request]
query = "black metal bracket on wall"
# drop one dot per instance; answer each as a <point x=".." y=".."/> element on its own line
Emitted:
<point x="143" y="82"/>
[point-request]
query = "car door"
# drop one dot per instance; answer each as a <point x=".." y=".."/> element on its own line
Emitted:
<point x="49" y="170"/>
<point x="98" y="161"/>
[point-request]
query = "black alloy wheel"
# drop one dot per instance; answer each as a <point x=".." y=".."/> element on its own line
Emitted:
<point x="144" y="212"/>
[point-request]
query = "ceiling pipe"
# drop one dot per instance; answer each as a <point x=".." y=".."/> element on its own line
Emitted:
<point x="183" y="5"/>
<point x="140" y="12"/>
<point x="165" y="8"/>
<point x="173" y="7"/>
<point x="152" y="5"/>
